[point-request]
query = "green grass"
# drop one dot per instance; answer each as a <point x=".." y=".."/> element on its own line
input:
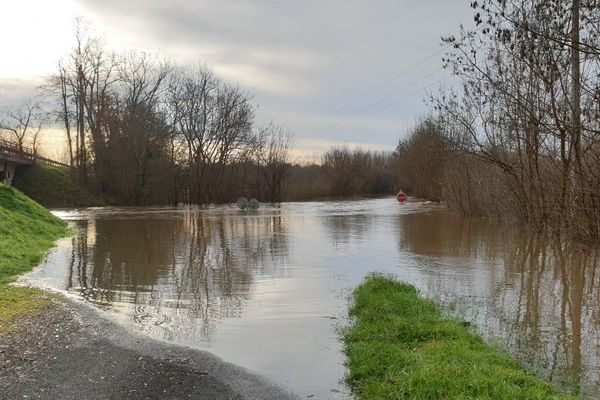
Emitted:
<point x="53" y="187"/>
<point x="400" y="346"/>
<point x="27" y="232"/>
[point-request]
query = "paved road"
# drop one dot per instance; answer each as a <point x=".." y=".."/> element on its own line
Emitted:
<point x="71" y="352"/>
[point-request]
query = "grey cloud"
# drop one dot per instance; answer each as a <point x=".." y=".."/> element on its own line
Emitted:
<point x="15" y="91"/>
<point x="303" y="57"/>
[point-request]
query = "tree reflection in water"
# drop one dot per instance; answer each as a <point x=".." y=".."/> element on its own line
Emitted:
<point x="344" y="229"/>
<point x="179" y="276"/>
<point x="537" y="296"/>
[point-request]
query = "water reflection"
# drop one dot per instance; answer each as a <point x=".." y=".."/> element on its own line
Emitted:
<point x="267" y="290"/>
<point x="344" y="229"/>
<point x="178" y="275"/>
<point x="535" y="295"/>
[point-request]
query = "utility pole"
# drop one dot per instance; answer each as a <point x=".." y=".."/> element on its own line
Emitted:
<point x="576" y="82"/>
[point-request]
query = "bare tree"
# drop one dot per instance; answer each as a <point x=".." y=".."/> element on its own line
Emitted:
<point x="131" y="159"/>
<point x="22" y="124"/>
<point x="82" y="86"/>
<point x="420" y="160"/>
<point x="215" y="122"/>
<point x="149" y="132"/>
<point x="273" y="159"/>
<point x="529" y="107"/>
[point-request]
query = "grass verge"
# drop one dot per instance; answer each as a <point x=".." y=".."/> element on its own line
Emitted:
<point x="400" y="346"/>
<point x="53" y="187"/>
<point x="27" y="232"/>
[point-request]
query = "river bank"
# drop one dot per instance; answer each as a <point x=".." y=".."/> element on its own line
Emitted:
<point x="400" y="346"/>
<point x="27" y="232"/>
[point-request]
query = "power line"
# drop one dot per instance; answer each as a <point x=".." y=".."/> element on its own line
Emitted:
<point x="385" y="83"/>
<point x="388" y="81"/>
<point x="381" y="100"/>
<point x="391" y="104"/>
<point x="409" y="96"/>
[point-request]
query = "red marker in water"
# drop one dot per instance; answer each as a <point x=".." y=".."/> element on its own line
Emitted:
<point x="401" y="197"/>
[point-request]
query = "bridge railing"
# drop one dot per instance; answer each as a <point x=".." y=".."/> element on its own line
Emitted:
<point x="14" y="149"/>
<point x="26" y="153"/>
<point x="51" y="162"/>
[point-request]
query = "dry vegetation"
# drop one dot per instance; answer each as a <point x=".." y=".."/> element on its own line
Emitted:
<point x="343" y="172"/>
<point x="520" y="140"/>
<point x="140" y="130"/>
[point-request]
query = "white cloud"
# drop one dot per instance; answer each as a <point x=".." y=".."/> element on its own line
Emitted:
<point x="301" y="60"/>
<point x="35" y="33"/>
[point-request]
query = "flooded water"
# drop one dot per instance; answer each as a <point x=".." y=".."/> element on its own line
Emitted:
<point x="269" y="289"/>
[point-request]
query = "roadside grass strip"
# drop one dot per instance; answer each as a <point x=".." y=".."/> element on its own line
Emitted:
<point x="401" y="346"/>
<point x="27" y="232"/>
<point x="53" y="187"/>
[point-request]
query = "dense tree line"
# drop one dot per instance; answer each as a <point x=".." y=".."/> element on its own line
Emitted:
<point x="520" y="139"/>
<point x="141" y="130"/>
<point x="420" y="160"/>
<point x="343" y="172"/>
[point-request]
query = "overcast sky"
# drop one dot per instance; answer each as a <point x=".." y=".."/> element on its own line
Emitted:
<point x="302" y="60"/>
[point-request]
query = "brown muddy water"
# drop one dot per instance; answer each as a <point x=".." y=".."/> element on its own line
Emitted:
<point x="269" y="289"/>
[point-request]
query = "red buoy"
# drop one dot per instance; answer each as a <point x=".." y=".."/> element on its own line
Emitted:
<point x="401" y="197"/>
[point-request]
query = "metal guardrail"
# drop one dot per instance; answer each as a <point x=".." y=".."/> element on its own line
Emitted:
<point x="51" y="162"/>
<point x="26" y="154"/>
<point x="16" y="151"/>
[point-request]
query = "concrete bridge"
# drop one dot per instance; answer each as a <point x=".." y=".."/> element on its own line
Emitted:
<point x="13" y="156"/>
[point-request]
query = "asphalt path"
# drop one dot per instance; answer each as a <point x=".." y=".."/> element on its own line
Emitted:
<point x="71" y="351"/>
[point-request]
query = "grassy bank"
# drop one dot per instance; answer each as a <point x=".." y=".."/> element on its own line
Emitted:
<point x="27" y="232"/>
<point x="53" y="187"/>
<point x="400" y="346"/>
